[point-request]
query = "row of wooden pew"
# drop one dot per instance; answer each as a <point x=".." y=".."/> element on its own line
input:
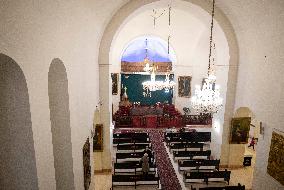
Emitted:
<point x="197" y="165"/>
<point x="237" y="187"/>
<point x="186" y="146"/>
<point x="188" y="137"/>
<point x="127" y="167"/>
<point x="206" y="175"/>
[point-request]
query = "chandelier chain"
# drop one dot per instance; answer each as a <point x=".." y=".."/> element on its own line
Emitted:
<point x="211" y="38"/>
<point x="207" y="98"/>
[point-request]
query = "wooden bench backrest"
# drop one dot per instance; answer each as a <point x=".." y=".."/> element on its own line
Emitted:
<point x="191" y="153"/>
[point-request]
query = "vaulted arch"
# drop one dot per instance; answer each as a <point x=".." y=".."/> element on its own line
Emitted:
<point x="121" y="17"/>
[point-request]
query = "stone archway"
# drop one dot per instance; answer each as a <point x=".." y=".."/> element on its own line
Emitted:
<point x="60" y="125"/>
<point x="17" y="154"/>
<point x="104" y="65"/>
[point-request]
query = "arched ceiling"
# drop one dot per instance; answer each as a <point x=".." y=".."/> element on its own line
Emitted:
<point x="157" y="50"/>
<point x="189" y="31"/>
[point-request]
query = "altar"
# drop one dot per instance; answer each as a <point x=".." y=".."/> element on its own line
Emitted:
<point x="146" y="110"/>
<point x="159" y="115"/>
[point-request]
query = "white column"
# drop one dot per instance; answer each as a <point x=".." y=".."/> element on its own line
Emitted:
<point x="105" y="113"/>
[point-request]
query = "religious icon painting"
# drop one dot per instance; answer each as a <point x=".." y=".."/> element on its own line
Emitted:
<point x="203" y="82"/>
<point x="240" y="130"/>
<point x="87" y="164"/>
<point x="114" y="78"/>
<point x="98" y="138"/>
<point x="275" y="167"/>
<point x="184" y="86"/>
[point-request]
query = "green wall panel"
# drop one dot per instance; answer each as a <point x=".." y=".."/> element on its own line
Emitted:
<point x="133" y="83"/>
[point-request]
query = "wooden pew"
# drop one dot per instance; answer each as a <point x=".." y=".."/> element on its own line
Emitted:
<point x="186" y="145"/>
<point x="133" y="147"/>
<point x="191" y="154"/>
<point x="206" y="175"/>
<point x="129" y="140"/>
<point x="132" y="165"/>
<point x="191" y="136"/>
<point x="238" y="187"/>
<point x="197" y="163"/>
<point x="135" y="180"/>
<point x="129" y="155"/>
<point x="188" y="136"/>
<point x="131" y="135"/>
<point x="197" y="137"/>
<point x="129" y="179"/>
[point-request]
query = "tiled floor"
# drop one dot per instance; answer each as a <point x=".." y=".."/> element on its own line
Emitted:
<point x="101" y="181"/>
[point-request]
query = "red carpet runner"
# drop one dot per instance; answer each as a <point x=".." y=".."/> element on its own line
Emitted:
<point x="168" y="177"/>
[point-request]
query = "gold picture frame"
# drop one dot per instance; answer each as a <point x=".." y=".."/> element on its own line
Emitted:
<point x="275" y="166"/>
<point x="240" y="130"/>
<point x="114" y="78"/>
<point x="87" y="165"/>
<point x="184" y="86"/>
<point x="203" y="82"/>
<point x="98" y="138"/>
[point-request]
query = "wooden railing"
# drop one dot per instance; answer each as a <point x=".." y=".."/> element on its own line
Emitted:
<point x="162" y="121"/>
<point x="204" y="119"/>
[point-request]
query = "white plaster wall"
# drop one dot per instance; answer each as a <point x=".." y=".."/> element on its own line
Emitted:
<point x="190" y="31"/>
<point x="35" y="32"/>
<point x="259" y="29"/>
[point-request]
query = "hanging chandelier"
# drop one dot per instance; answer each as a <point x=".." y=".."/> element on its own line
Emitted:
<point x="168" y="84"/>
<point x="149" y="67"/>
<point x="153" y="85"/>
<point x="146" y="61"/>
<point x="207" y="100"/>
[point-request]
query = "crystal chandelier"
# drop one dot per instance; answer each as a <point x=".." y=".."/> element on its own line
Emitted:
<point x="207" y="100"/>
<point x="147" y="62"/>
<point x="153" y="85"/>
<point x="147" y="67"/>
<point x="168" y="84"/>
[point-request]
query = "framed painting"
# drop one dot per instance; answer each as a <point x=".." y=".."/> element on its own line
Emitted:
<point x="87" y="164"/>
<point x="240" y="130"/>
<point x="275" y="167"/>
<point x="203" y="82"/>
<point x="114" y="78"/>
<point x="98" y="138"/>
<point x="184" y="86"/>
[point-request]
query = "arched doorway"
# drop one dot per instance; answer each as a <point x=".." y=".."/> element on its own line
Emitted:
<point x="118" y="21"/>
<point x="131" y="67"/>
<point x="60" y="125"/>
<point x="17" y="154"/>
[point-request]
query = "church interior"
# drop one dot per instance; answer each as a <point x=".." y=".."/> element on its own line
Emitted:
<point x="142" y="94"/>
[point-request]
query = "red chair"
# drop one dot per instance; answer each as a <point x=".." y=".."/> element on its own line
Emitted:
<point x="151" y="121"/>
<point x="136" y="121"/>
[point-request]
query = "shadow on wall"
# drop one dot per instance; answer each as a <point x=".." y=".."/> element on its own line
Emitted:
<point x="60" y="125"/>
<point x="17" y="154"/>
